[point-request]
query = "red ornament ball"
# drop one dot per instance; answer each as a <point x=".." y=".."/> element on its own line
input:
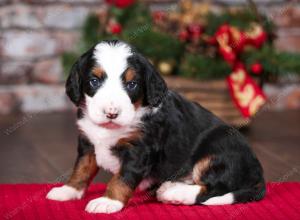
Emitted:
<point x="195" y="29"/>
<point x="115" y="28"/>
<point x="120" y="3"/>
<point x="158" y="16"/>
<point x="256" y="68"/>
<point x="183" y="35"/>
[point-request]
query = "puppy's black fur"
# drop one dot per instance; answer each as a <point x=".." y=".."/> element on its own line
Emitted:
<point x="175" y="137"/>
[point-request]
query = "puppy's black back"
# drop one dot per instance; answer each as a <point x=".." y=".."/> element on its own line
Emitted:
<point x="181" y="133"/>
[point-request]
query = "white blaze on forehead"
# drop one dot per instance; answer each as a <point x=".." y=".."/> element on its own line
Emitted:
<point x="112" y="57"/>
<point x="111" y="96"/>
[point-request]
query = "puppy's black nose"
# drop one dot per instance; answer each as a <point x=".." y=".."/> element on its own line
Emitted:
<point x="111" y="116"/>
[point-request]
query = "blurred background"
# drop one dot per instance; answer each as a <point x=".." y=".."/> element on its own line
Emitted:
<point x="238" y="58"/>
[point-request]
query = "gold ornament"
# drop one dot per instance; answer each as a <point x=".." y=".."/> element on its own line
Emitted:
<point x="186" y="5"/>
<point x="254" y="30"/>
<point x="192" y="12"/>
<point x="165" y="67"/>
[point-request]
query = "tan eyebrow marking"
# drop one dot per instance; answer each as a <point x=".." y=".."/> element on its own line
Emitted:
<point x="99" y="72"/>
<point x="129" y="75"/>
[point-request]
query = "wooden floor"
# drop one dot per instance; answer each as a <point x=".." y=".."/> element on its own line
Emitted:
<point x="42" y="147"/>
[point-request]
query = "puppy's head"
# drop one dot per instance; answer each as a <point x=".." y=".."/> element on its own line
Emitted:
<point x="112" y="82"/>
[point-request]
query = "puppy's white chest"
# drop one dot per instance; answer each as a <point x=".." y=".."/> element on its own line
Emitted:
<point x="106" y="159"/>
<point x="103" y="140"/>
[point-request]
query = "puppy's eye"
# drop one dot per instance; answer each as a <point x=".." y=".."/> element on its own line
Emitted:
<point x="95" y="83"/>
<point x="131" y="85"/>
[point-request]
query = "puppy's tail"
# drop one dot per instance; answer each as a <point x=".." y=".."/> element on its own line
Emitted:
<point x="255" y="193"/>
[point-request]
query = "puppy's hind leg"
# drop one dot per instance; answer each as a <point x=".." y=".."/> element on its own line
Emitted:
<point x="182" y="192"/>
<point x="178" y="193"/>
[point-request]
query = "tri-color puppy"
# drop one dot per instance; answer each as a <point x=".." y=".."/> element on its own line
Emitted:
<point x="132" y="125"/>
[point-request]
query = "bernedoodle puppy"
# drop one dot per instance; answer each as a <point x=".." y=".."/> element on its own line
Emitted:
<point x="132" y="125"/>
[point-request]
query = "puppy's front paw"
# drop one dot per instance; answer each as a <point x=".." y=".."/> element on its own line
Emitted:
<point x="64" y="193"/>
<point x="104" y="205"/>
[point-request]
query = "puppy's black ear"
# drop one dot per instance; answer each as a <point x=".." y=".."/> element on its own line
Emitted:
<point x="156" y="88"/>
<point x="73" y="84"/>
<point x="74" y="81"/>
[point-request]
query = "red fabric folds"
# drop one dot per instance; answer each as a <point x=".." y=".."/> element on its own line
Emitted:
<point x="27" y="201"/>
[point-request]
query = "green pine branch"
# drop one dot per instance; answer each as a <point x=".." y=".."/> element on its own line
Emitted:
<point x="273" y="61"/>
<point x="204" y="67"/>
<point x="139" y="31"/>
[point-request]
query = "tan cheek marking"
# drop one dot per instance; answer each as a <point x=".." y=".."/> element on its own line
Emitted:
<point x="199" y="169"/>
<point x="99" y="72"/>
<point x="138" y="103"/>
<point x="129" y="75"/>
<point x="84" y="171"/>
<point x="118" y="190"/>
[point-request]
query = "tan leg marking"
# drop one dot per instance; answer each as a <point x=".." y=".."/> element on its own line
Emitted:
<point x="199" y="169"/>
<point x="118" y="190"/>
<point x="84" y="171"/>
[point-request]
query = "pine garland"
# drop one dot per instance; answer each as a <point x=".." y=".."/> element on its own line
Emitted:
<point x="187" y="58"/>
<point x="203" y="67"/>
<point x="274" y="62"/>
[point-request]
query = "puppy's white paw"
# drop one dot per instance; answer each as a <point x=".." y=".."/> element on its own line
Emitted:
<point x="104" y="205"/>
<point x="64" y="193"/>
<point x="178" y="193"/>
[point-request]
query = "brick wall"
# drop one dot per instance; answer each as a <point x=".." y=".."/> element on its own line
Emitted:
<point x="34" y="33"/>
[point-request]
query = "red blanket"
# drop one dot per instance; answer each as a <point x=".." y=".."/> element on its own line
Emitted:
<point x="27" y="201"/>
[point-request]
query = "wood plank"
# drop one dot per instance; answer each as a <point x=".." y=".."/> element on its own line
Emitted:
<point x="44" y="148"/>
